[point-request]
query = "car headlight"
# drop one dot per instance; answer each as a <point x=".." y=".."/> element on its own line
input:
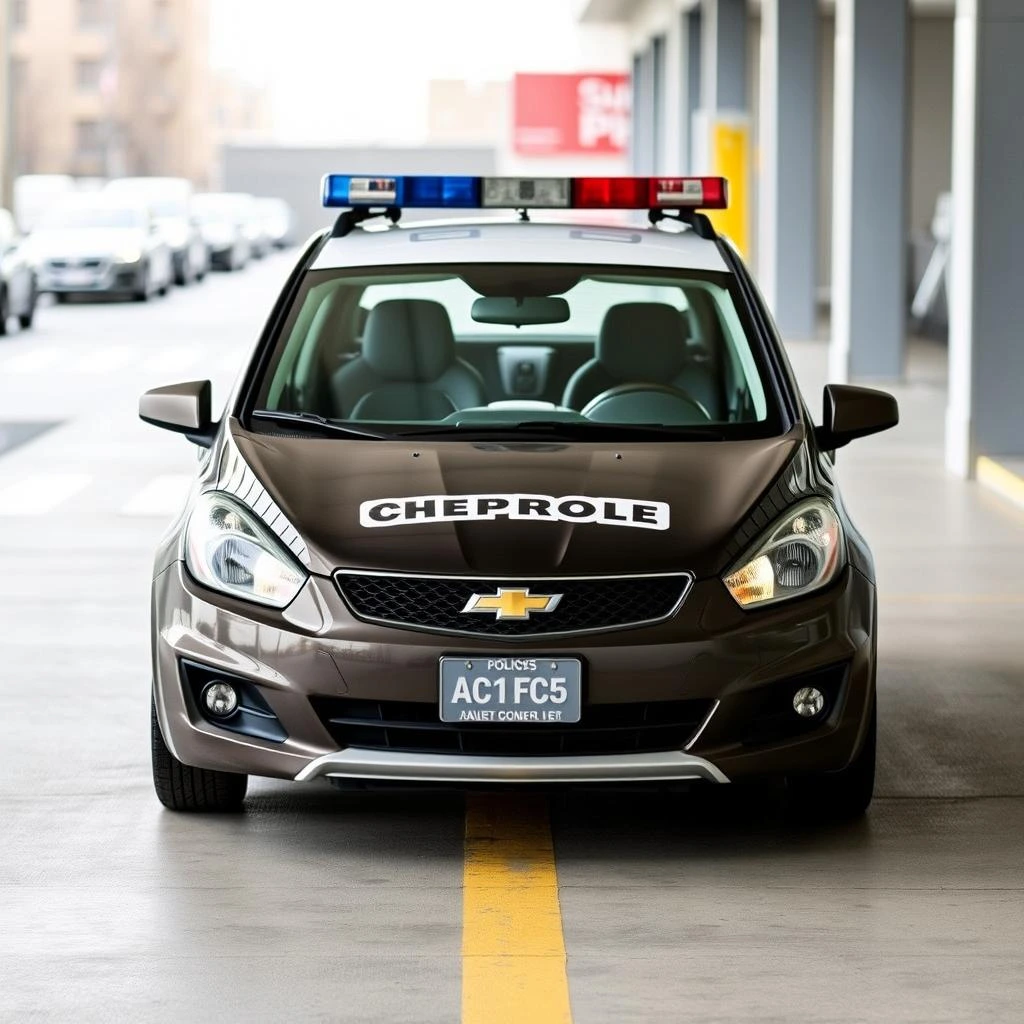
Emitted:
<point x="129" y="254"/>
<point x="228" y="549"/>
<point x="802" y="553"/>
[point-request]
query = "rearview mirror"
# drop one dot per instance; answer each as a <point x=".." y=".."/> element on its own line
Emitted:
<point x="183" y="408"/>
<point x="519" y="311"/>
<point x="851" y="412"/>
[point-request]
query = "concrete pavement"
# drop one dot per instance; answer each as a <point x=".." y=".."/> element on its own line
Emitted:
<point x="316" y="905"/>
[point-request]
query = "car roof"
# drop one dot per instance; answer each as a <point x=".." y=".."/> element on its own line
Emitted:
<point x="498" y="241"/>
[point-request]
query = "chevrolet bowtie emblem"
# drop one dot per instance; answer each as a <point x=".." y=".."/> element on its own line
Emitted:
<point x="512" y="604"/>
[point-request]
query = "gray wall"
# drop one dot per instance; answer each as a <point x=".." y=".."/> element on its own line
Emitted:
<point x="931" y="115"/>
<point x="929" y="131"/>
<point x="294" y="174"/>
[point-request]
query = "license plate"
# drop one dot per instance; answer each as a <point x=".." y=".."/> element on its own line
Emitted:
<point x="77" y="277"/>
<point x="509" y="691"/>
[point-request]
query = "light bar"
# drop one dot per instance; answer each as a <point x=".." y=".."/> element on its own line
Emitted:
<point x="453" y="192"/>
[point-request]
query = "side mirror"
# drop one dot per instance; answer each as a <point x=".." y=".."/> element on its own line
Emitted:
<point x="183" y="408"/>
<point x="852" y="412"/>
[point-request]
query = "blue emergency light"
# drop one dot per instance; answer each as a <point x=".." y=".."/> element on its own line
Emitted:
<point x="460" y="192"/>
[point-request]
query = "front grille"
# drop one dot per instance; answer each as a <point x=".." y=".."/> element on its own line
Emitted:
<point x="82" y="263"/>
<point x="603" y="729"/>
<point x="587" y="605"/>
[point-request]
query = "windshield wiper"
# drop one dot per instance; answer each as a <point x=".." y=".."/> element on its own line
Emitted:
<point x="572" y="430"/>
<point x="315" y="422"/>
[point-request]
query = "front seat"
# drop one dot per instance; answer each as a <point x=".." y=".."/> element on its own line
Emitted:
<point x="408" y="369"/>
<point x="644" y="342"/>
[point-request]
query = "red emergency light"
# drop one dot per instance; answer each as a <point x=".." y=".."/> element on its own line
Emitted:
<point x="649" y="193"/>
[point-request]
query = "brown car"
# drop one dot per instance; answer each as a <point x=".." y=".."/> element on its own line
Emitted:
<point x="510" y="501"/>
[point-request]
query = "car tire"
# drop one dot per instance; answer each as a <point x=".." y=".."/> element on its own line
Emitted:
<point x="141" y="293"/>
<point x="25" y="319"/>
<point x="181" y="787"/>
<point x="838" y="796"/>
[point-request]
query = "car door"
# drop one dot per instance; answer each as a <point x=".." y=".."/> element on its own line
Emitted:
<point x="14" y="268"/>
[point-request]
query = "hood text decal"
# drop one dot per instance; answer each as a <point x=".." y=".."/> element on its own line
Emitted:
<point x="541" y="508"/>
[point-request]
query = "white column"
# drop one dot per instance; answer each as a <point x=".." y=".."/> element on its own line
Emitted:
<point x="788" y="138"/>
<point x="985" y="415"/>
<point x="869" y="191"/>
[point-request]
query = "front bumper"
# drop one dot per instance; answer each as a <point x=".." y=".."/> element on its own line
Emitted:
<point x="109" y="276"/>
<point x="316" y="652"/>
<point x="659" y="766"/>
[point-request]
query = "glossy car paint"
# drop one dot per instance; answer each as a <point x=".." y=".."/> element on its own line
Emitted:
<point x="723" y="495"/>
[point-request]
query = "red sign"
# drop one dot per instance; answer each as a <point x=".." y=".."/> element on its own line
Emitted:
<point x="557" y="114"/>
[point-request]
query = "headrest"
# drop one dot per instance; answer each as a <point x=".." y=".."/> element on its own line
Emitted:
<point x="409" y="340"/>
<point x="403" y="401"/>
<point x="642" y="341"/>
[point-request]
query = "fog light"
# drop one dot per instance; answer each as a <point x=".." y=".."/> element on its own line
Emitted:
<point x="221" y="699"/>
<point x="808" y="702"/>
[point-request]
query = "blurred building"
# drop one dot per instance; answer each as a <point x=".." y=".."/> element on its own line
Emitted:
<point x="6" y="172"/>
<point x="102" y="88"/>
<point x="241" y="110"/>
<point x="548" y="122"/>
<point x="460" y="111"/>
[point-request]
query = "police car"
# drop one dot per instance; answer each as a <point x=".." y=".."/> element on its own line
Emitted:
<point x="516" y="498"/>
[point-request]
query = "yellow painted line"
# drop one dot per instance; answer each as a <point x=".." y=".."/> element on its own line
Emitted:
<point x="998" y="478"/>
<point x="513" y="952"/>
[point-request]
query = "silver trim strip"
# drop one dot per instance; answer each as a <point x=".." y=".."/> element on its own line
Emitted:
<point x="530" y="580"/>
<point x="664" y="766"/>
<point x="703" y="725"/>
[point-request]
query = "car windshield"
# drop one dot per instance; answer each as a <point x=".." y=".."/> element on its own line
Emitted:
<point x="585" y="352"/>
<point x="72" y="217"/>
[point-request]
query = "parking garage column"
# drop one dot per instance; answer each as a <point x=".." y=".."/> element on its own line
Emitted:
<point x="985" y="416"/>
<point x="788" y="193"/>
<point x="869" y="191"/>
<point x="722" y="139"/>
<point x="643" y="138"/>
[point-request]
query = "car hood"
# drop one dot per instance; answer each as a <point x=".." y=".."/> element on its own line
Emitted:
<point x="665" y="506"/>
<point x="82" y="242"/>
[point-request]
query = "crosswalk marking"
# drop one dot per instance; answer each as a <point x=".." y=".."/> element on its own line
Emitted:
<point x="162" y="496"/>
<point x="32" y="495"/>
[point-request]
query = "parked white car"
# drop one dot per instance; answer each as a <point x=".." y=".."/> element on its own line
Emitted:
<point x="98" y="243"/>
<point x="222" y="223"/>
<point x="17" y="277"/>
<point x="35" y="194"/>
<point x="170" y="201"/>
<point x="278" y="221"/>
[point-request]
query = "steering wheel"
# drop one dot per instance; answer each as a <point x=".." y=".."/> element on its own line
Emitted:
<point x="645" y="403"/>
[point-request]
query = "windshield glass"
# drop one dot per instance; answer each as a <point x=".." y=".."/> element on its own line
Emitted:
<point x="584" y="351"/>
<point x="91" y="217"/>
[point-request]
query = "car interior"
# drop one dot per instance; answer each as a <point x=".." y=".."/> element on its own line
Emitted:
<point x="517" y="346"/>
